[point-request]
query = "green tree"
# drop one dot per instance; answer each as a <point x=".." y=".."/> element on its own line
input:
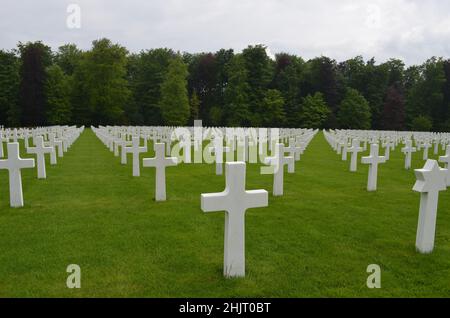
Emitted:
<point x="394" y="109"/>
<point x="194" y="106"/>
<point x="9" y="89"/>
<point x="67" y="58"/>
<point x="426" y="95"/>
<point x="174" y="102"/>
<point x="273" y="109"/>
<point x="354" y="111"/>
<point x="288" y="78"/>
<point x="223" y="58"/>
<point x="215" y="115"/>
<point x="421" y="123"/>
<point x="314" y="111"/>
<point x="372" y="82"/>
<point x="35" y="58"/>
<point x="146" y="73"/>
<point x="260" y="72"/>
<point x="203" y="80"/>
<point x="237" y="94"/>
<point x="101" y="89"/>
<point x="322" y="76"/>
<point x="57" y="91"/>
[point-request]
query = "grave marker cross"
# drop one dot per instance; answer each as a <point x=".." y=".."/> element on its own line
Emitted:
<point x="235" y="200"/>
<point x="430" y="181"/>
<point x="373" y="160"/>
<point x="135" y="149"/>
<point x="160" y="162"/>
<point x="14" y="164"/>
<point x="40" y="150"/>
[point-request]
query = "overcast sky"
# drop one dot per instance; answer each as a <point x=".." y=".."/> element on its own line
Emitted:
<point x="412" y="30"/>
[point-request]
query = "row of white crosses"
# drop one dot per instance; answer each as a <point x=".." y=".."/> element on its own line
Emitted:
<point x="389" y="140"/>
<point x="117" y="139"/>
<point x="338" y="140"/>
<point x="431" y="179"/>
<point x="14" y="163"/>
<point x="234" y="200"/>
<point x="159" y="162"/>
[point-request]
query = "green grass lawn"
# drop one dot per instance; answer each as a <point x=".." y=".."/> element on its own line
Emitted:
<point x="315" y="241"/>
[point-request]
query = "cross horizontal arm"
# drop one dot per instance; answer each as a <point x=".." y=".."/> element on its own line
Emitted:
<point x="256" y="199"/>
<point x="212" y="202"/>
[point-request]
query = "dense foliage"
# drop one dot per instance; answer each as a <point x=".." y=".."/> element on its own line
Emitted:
<point x="108" y="85"/>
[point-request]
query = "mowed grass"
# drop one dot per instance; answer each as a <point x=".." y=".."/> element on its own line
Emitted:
<point x="315" y="241"/>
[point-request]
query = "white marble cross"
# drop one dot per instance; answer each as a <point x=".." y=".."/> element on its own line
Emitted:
<point x="426" y="146"/>
<point x="117" y="143"/>
<point x="408" y="150"/>
<point x="293" y="150"/>
<point x="123" y="155"/>
<point x="430" y="181"/>
<point x="40" y="150"/>
<point x="14" y="164"/>
<point x="302" y="147"/>
<point x="446" y="160"/>
<point x="218" y="151"/>
<point x="160" y="162"/>
<point x="354" y="149"/>
<point x="56" y="143"/>
<point x="235" y="200"/>
<point x="278" y="162"/>
<point x="15" y="136"/>
<point x="373" y="160"/>
<point x="135" y="149"/>
<point x="1" y="145"/>
<point x="436" y="146"/>
<point x="388" y="145"/>
<point x="344" y="149"/>
<point x="51" y="143"/>
<point x="242" y="148"/>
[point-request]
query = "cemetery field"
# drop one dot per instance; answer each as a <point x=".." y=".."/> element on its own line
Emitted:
<point x="315" y="241"/>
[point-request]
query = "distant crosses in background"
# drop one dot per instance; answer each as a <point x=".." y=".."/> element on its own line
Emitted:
<point x="293" y="150"/>
<point x="15" y="135"/>
<point x="373" y="160"/>
<point x="426" y="146"/>
<point x="117" y="142"/>
<point x="301" y="146"/>
<point x="218" y="150"/>
<point x="26" y="138"/>
<point x="446" y="160"/>
<point x="40" y="150"/>
<point x="408" y="150"/>
<point x="430" y="181"/>
<point x="135" y="150"/>
<point x="235" y="200"/>
<point x="242" y="145"/>
<point x="14" y="164"/>
<point x="167" y="140"/>
<point x="388" y="146"/>
<point x="123" y="155"/>
<point x="436" y="146"/>
<point x="56" y="143"/>
<point x="1" y="148"/>
<point x="354" y="149"/>
<point x="51" y="143"/>
<point x="160" y="162"/>
<point x="344" y="149"/>
<point x="277" y="163"/>
<point x="2" y="139"/>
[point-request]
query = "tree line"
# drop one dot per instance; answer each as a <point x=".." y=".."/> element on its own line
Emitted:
<point x="109" y="85"/>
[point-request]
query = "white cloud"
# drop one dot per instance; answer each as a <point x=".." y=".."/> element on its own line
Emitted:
<point x="410" y="29"/>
